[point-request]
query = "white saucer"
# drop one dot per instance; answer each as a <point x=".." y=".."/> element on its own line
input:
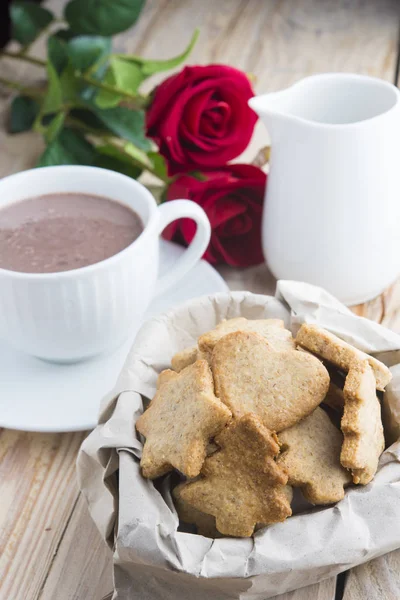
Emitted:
<point x="40" y="396"/>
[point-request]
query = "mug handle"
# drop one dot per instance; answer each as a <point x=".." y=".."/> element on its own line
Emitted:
<point x="178" y="209"/>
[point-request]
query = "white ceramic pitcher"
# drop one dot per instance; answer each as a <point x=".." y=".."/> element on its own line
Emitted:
<point x="332" y="211"/>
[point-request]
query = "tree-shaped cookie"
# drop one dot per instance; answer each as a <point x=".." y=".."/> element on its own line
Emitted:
<point x="361" y="424"/>
<point x="310" y="452"/>
<point x="180" y="421"/>
<point x="205" y="524"/>
<point x="241" y="484"/>
<point x="279" y="387"/>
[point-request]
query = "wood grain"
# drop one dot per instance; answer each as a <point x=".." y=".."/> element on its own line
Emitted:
<point x="320" y="591"/>
<point x="82" y="551"/>
<point x="378" y="579"/>
<point x="38" y="494"/>
<point x="49" y="548"/>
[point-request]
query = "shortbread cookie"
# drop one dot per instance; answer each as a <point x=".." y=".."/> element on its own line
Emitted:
<point x="241" y="484"/>
<point x="310" y="452"/>
<point x="182" y="418"/>
<point x="279" y="387"/>
<point x="205" y="524"/>
<point x="183" y="359"/>
<point x="165" y="376"/>
<point x="272" y="330"/>
<point x="361" y="424"/>
<point x="187" y="357"/>
<point x="340" y="353"/>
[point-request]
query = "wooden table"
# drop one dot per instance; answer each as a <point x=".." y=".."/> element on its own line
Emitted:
<point x="49" y="548"/>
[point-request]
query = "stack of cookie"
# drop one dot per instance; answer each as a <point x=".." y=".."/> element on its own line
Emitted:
<point x="250" y="413"/>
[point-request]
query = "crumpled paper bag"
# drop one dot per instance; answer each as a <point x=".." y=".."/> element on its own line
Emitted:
<point x="154" y="561"/>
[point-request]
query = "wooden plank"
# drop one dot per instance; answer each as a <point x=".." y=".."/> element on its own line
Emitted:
<point x="378" y="579"/>
<point x="82" y="565"/>
<point x="320" y="591"/>
<point x="38" y="493"/>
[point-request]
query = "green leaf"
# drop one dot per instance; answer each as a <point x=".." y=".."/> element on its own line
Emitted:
<point x="71" y="86"/>
<point x="127" y="75"/>
<point x="85" y="50"/>
<point x="159" y="165"/>
<point x="102" y="17"/>
<point x="57" y="53"/>
<point x="24" y="111"/>
<point x="69" y="148"/>
<point x="124" y="75"/>
<point x="54" y="127"/>
<point x="197" y="175"/>
<point x="104" y="98"/>
<point x="86" y="117"/>
<point x="149" y="67"/>
<point x="64" y="34"/>
<point x="126" y="123"/>
<point x="138" y="154"/>
<point x="28" y="20"/>
<point x="53" y="98"/>
<point x="79" y="147"/>
<point x="109" y="157"/>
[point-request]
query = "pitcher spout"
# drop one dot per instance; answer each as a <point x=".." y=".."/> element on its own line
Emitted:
<point x="328" y="100"/>
<point x="273" y="110"/>
<point x="269" y="105"/>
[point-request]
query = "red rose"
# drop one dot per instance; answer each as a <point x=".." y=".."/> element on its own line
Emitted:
<point x="200" y="117"/>
<point x="233" y="198"/>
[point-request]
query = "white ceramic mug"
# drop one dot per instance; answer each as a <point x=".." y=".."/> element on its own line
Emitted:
<point x="73" y="315"/>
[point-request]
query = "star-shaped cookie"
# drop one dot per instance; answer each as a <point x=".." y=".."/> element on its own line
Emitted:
<point x="180" y="421"/>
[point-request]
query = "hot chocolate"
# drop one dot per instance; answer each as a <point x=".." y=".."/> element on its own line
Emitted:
<point x="60" y="232"/>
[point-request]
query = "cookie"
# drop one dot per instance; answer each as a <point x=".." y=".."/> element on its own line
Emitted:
<point x="310" y="452"/>
<point x="361" y="424"/>
<point x="279" y="387"/>
<point x="205" y="524"/>
<point x="182" y="418"/>
<point x="165" y="376"/>
<point x="241" y="484"/>
<point x="331" y="348"/>
<point x="279" y="338"/>
<point x="187" y="357"/>
<point x="183" y="359"/>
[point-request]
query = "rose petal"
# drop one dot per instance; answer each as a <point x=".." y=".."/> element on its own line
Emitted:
<point x="200" y="117"/>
